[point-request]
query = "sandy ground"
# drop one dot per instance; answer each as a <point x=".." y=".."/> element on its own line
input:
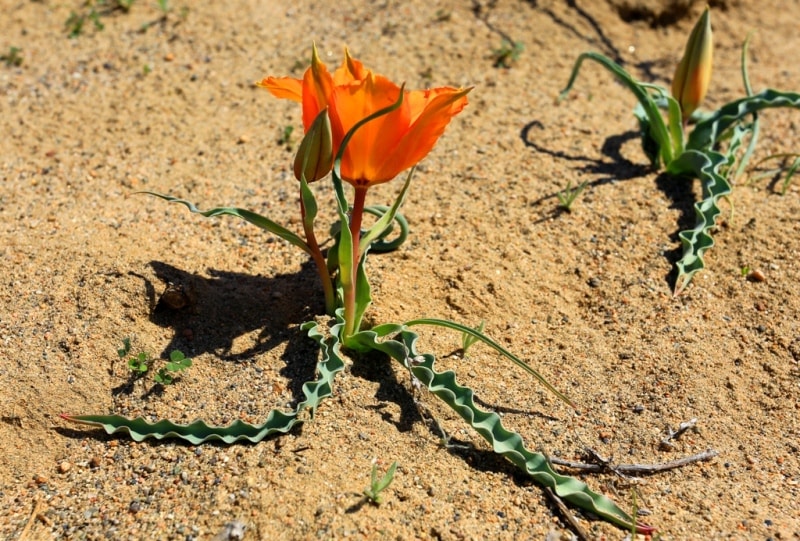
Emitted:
<point x="167" y="103"/>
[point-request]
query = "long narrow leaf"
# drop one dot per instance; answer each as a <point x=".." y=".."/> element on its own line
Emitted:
<point x="494" y="345"/>
<point x="247" y="215"/>
<point x="755" y="125"/>
<point x="656" y="126"/>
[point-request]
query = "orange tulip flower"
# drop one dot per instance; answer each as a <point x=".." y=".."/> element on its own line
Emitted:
<point x="385" y="146"/>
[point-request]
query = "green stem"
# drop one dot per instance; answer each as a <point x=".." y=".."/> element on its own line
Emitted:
<point x="356" y="216"/>
<point x="319" y="260"/>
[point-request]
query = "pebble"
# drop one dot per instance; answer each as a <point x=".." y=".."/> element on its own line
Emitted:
<point x="64" y="467"/>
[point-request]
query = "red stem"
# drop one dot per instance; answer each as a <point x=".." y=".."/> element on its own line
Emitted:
<point x="319" y="260"/>
<point x="356" y="216"/>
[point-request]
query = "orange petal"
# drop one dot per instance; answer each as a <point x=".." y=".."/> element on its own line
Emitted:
<point x="370" y="144"/>
<point x="350" y="71"/>
<point x="317" y="87"/>
<point x="283" y="87"/>
<point x="439" y="106"/>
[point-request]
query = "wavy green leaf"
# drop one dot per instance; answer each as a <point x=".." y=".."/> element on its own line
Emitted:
<point x="695" y="241"/>
<point x="505" y="442"/>
<point x="380" y="244"/>
<point x="277" y="421"/>
<point x="708" y="131"/>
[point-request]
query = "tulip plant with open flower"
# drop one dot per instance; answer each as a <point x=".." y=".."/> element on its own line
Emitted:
<point x="365" y="130"/>
<point x="689" y="142"/>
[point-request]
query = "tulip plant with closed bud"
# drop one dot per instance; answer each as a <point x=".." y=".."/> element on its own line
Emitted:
<point x="690" y="142"/>
<point x="365" y="130"/>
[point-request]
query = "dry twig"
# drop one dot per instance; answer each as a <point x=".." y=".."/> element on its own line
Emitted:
<point x="633" y="469"/>
<point x="570" y="518"/>
<point x="37" y="507"/>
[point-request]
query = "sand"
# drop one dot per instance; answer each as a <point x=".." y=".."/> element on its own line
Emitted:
<point x="167" y="103"/>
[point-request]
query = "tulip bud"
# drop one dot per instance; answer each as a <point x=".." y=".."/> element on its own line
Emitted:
<point x="314" y="158"/>
<point x="690" y="84"/>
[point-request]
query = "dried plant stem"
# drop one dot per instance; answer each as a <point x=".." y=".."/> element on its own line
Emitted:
<point x="635" y="469"/>
<point x="37" y="506"/>
<point x="580" y="533"/>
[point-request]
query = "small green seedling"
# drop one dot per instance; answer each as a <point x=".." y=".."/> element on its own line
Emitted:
<point x="569" y="195"/>
<point x="507" y="54"/>
<point x="791" y="169"/>
<point x="138" y="364"/>
<point x="163" y="5"/>
<point x="141" y="363"/>
<point x="76" y="21"/>
<point x="13" y="58"/>
<point x="286" y="137"/>
<point x="467" y="339"/>
<point x="745" y="270"/>
<point x="373" y="493"/>
<point x="178" y="362"/>
<point x="94" y="9"/>
<point x="443" y="15"/>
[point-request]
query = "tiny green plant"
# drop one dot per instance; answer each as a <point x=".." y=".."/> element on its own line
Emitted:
<point x="508" y="53"/>
<point x="568" y="195"/>
<point x="13" y="57"/>
<point x="178" y="362"/>
<point x="378" y="485"/>
<point x="443" y="15"/>
<point x="92" y="11"/>
<point x="163" y="5"/>
<point x="286" y="137"/>
<point x="693" y="143"/>
<point x="138" y="364"/>
<point x="467" y="340"/>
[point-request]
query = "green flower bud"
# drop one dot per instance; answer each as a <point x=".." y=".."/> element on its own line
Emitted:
<point x="314" y="158"/>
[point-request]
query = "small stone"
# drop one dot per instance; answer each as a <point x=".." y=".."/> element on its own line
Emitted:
<point x="756" y="276"/>
<point x="169" y="57"/>
<point x="64" y="467"/>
